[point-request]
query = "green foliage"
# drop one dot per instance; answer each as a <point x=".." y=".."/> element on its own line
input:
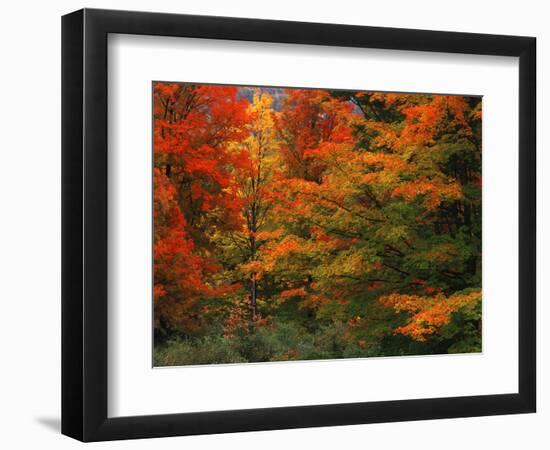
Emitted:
<point x="206" y="350"/>
<point x="280" y="342"/>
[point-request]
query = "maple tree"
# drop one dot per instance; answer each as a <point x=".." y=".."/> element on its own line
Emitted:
<point x="193" y="131"/>
<point x="303" y="224"/>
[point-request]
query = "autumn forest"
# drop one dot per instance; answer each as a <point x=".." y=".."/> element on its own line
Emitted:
<point x="302" y="224"/>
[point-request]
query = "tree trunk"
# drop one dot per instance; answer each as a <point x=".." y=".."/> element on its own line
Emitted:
<point x="253" y="297"/>
<point x="253" y="279"/>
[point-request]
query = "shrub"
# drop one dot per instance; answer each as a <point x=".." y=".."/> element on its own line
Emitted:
<point x="207" y="350"/>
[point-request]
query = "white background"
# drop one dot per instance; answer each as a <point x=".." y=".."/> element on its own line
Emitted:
<point x="30" y="236"/>
<point x="136" y="389"/>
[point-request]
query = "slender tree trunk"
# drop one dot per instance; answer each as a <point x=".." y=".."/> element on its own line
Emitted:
<point x="253" y="297"/>
<point x="253" y="276"/>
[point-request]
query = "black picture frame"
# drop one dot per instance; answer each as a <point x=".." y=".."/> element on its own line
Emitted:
<point x="84" y="224"/>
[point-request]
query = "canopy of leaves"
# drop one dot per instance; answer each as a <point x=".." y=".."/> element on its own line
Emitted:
<point x="305" y="224"/>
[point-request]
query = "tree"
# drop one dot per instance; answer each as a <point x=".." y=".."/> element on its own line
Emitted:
<point x="252" y="178"/>
<point x="194" y="129"/>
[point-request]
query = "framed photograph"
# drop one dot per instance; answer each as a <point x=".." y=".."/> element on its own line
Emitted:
<point x="273" y="224"/>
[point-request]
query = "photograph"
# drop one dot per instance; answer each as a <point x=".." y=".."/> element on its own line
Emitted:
<point x="314" y="224"/>
<point x="249" y="225"/>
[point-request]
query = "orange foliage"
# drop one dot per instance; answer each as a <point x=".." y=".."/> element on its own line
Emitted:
<point x="434" y="193"/>
<point x="299" y="292"/>
<point x="428" y="314"/>
<point x="311" y="123"/>
<point x="194" y="127"/>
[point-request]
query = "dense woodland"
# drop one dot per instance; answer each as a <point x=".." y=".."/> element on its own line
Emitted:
<point x="311" y="224"/>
